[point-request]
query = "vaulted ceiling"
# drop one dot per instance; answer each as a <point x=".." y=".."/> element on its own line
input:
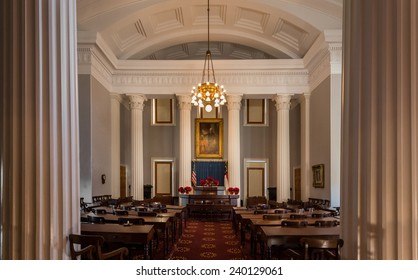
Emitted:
<point x="239" y="29"/>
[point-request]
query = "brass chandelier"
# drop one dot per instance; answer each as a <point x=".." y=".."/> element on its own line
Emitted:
<point x="209" y="93"/>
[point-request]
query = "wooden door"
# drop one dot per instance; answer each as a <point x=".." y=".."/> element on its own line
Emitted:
<point x="297" y="184"/>
<point x="255" y="181"/>
<point x="123" y="181"/>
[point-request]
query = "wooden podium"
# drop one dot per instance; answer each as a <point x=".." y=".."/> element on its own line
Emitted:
<point x="212" y="190"/>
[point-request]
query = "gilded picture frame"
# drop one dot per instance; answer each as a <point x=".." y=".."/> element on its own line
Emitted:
<point x="209" y="138"/>
<point x="318" y="176"/>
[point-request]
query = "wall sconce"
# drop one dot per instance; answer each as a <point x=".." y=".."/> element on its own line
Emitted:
<point x="103" y="178"/>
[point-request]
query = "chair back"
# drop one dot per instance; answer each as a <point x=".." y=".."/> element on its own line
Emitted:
<point x="92" y="246"/>
<point x="99" y="211"/>
<point x="322" y="249"/>
<point x="85" y="252"/>
<point x="281" y="211"/>
<point x="95" y="220"/>
<point x="295" y="223"/>
<point x="328" y="223"/>
<point x="260" y="211"/>
<point x="121" y="213"/>
<point x="272" y="217"/>
<point x="298" y="216"/>
<point x="147" y="214"/>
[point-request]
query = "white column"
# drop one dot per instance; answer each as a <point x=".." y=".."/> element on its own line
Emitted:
<point x="283" y="147"/>
<point x="379" y="182"/>
<point x="335" y="122"/>
<point x="39" y="152"/>
<point x="115" y="101"/>
<point x="306" y="182"/>
<point x="234" y="143"/>
<point x="185" y="173"/>
<point x="136" y="103"/>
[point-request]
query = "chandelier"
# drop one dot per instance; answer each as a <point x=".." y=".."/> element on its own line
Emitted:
<point x="208" y="93"/>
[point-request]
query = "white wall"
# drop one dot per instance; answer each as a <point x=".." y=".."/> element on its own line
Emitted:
<point x="320" y="135"/>
<point x="100" y="138"/>
<point x="84" y="99"/>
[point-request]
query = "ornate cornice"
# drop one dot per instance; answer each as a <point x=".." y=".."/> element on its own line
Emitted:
<point x="267" y="77"/>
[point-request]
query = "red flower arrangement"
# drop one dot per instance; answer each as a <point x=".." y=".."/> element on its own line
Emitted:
<point x="233" y="190"/>
<point x="186" y="189"/>
<point x="209" y="181"/>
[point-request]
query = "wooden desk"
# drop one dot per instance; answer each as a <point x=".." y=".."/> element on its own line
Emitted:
<point x="272" y="235"/>
<point x="161" y="224"/>
<point x="256" y="223"/>
<point x="210" y="210"/>
<point x="142" y="234"/>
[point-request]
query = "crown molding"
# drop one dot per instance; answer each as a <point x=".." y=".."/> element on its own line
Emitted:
<point x="251" y="78"/>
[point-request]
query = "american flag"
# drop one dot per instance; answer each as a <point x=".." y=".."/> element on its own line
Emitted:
<point x="226" y="182"/>
<point x="194" y="175"/>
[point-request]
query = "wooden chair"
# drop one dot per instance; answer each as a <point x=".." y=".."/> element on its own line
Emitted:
<point x="290" y="248"/>
<point x="91" y="248"/>
<point x="95" y="220"/>
<point x="322" y="249"/>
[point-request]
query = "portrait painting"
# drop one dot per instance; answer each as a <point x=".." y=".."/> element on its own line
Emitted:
<point x="209" y="138"/>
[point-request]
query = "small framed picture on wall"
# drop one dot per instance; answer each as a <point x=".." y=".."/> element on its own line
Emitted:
<point x="318" y="176"/>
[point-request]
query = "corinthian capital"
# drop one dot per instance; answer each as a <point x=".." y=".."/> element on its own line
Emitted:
<point x="233" y="102"/>
<point x="282" y="102"/>
<point x="136" y="101"/>
<point x="184" y="101"/>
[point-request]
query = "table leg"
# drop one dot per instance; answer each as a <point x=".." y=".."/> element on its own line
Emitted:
<point x="147" y="250"/>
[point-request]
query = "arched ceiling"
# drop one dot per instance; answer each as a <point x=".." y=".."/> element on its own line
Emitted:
<point x="239" y="29"/>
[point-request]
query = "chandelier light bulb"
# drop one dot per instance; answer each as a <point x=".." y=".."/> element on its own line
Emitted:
<point x="208" y="108"/>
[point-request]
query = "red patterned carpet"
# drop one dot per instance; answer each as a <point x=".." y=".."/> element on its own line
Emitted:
<point x="208" y="240"/>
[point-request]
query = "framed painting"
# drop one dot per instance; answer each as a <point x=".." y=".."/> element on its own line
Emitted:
<point x="318" y="176"/>
<point x="209" y="138"/>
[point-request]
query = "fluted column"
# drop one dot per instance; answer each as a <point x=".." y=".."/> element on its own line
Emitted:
<point x="379" y="182"/>
<point x="283" y="147"/>
<point x="136" y="103"/>
<point x="115" y="100"/>
<point x="335" y="123"/>
<point x="234" y="143"/>
<point x="305" y="147"/>
<point x="39" y="152"/>
<point x="185" y="173"/>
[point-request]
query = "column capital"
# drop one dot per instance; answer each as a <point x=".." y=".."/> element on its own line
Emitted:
<point x="184" y="101"/>
<point x="282" y="102"/>
<point x="136" y="101"/>
<point x="233" y="101"/>
<point x="306" y="96"/>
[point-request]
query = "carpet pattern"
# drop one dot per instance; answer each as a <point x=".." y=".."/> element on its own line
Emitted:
<point x="208" y="240"/>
